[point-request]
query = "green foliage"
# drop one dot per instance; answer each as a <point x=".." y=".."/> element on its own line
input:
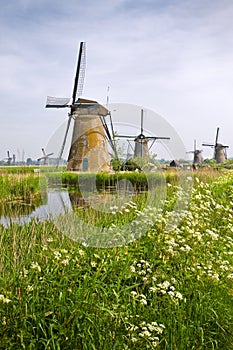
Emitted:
<point x="210" y="161"/>
<point x="116" y="164"/>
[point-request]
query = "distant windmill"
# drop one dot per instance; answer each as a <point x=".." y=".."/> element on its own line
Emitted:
<point x="142" y="148"/>
<point x="88" y="150"/>
<point x="197" y="158"/>
<point x="8" y="158"/>
<point x="220" y="154"/>
<point x="45" y="157"/>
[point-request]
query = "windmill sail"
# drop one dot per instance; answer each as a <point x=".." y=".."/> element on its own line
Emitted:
<point x="45" y="157"/>
<point x="57" y="102"/>
<point x="80" y="73"/>
<point x="78" y="86"/>
<point x="216" y="139"/>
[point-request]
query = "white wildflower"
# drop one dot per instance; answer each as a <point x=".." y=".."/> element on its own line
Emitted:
<point x="178" y="295"/>
<point x="171" y="293"/>
<point x="29" y="288"/>
<point x="57" y="255"/>
<point x="81" y="252"/>
<point x="134" y="340"/>
<point x="143" y="302"/>
<point x="35" y="266"/>
<point x="132" y="268"/>
<point x="144" y="334"/>
<point x="3" y="299"/>
<point x="65" y="262"/>
<point x="133" y="293"/>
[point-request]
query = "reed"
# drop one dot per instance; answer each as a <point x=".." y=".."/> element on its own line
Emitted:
<point x="101" y="181"/>
<point x="18" y="186"/>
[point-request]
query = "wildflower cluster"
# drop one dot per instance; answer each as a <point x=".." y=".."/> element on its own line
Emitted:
<point x="145" y="334"/>
<point x="123" y="209"/>
<point x="166" y="288"/>
<point x="183" y="262"/>
<point x="141" y="298"/>
<point x="141" y="268"/>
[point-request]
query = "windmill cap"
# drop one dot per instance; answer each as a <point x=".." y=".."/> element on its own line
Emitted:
<point x="90" y="107"/>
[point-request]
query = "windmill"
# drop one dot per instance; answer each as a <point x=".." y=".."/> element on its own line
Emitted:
<point x="45" y="157"/>
<point x="88" y="150"/>
<point x="8" y="158"/>
<point x="220" y="154"/>
<point x="141" y="147"/>
<point x="197" y="158"/>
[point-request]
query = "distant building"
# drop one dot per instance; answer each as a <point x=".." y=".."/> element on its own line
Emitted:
<point x="175" y="164"/>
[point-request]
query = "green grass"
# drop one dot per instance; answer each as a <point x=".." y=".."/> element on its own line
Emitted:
<point x="18" y="186"/>
<point x="101" y="181"/>
<point x="169" y="288"/>
<point x="17" y="169"/>
<point x="20" y="193"/>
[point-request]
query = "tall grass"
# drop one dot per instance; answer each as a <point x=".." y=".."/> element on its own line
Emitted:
<point x="169" y="289"/>
<point x="18" y="186"/>
<point x="102" y="181"/>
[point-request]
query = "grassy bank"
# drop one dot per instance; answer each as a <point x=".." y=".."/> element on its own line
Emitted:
<point x="140" y="181"/>
<point x="169" y="289"/>
<point x="18" y="186"/>
<point x="20" y="194"/>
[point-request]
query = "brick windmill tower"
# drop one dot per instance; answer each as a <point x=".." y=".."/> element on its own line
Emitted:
<point x="197" y="157"/>
<point x="220" y="153"/>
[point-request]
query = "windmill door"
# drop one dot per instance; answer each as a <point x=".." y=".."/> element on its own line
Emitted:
<point x="85" y="164"/>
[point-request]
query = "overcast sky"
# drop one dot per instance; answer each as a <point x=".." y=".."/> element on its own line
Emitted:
<point x="172" y="57"/>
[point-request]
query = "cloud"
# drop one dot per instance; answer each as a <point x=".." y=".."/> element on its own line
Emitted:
<point x="175" y="57"/>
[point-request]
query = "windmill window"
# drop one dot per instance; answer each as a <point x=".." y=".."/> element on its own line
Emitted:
<point x="85" y="164"/>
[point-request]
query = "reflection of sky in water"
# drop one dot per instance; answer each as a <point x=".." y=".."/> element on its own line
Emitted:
<point x="62" y="202"/>
<point x="58" y="203"/>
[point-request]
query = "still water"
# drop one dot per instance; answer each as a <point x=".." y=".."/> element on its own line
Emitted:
<point x="62" y="201"/>
<point x="57" y="202"/>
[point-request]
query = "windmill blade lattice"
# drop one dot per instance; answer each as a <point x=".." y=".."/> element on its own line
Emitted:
<point x="216" y="139"/>
<point x="141" y="140"/>
<point x="53" y="102"/>
<point x="80" y="73"/>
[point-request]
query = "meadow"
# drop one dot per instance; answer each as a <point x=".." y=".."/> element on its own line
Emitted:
<point x="166" y="284"/>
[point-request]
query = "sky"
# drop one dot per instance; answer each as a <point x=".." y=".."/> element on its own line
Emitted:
<point x="172" y="57"/>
